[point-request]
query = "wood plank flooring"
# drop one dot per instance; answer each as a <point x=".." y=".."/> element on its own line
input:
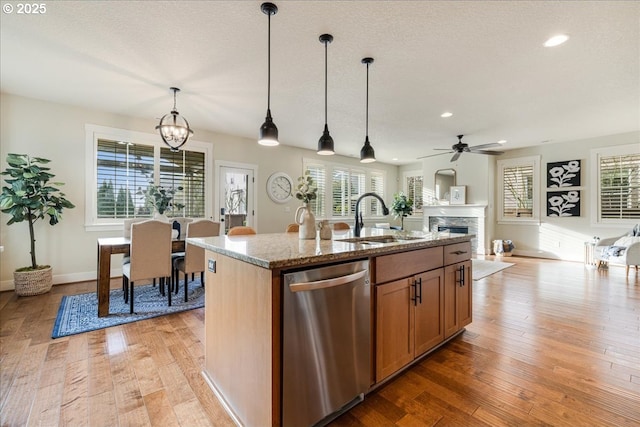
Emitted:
<point x="550" y="344"/>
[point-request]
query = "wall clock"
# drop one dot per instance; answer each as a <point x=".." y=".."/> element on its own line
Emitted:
<point x="280" y="187"/>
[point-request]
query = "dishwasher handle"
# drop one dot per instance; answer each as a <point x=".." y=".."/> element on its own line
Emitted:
<point x="327" y="283"/>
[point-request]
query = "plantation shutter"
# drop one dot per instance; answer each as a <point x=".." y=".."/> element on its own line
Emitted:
<point x="318" y="174"/>
<point x="377" y="186"/>
<point x="122" y="169"/>
<point x="620" y="186"/>
<point x="517" y="196"/>
<point x="414" y="191"/>
<point x="340" y="192"/>
<point x="184" y="169"/>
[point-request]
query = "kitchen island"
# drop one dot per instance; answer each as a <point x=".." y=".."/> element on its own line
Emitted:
<point x="421" y="297"/>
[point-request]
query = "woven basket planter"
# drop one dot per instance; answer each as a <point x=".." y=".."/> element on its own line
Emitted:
<point x="33" y="282"/>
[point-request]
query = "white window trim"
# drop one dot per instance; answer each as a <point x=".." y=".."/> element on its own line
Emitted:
<point x="95" y="132"/>
<point x="501" y="164"/>
<point x="328" y="195"/>
<point x="594" y="177"/>
<point x="407" y="174"/>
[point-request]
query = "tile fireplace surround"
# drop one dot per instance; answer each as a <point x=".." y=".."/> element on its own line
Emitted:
<point x="471" y="216"/>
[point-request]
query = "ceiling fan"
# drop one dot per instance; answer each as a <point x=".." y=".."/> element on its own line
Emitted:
<point x="461" y="147"/>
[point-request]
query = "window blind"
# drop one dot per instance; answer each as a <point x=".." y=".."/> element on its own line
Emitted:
<point x="620" y="186"/>
<point x="414" y="191"/>
<point x="184" y="169"/>
<point x="318" y="173"/>
<point x="517" y="196"/>
<point x="377" y="186"/>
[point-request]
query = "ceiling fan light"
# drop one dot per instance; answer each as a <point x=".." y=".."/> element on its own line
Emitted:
<point x="268" y="132"/>
<point x="446" y="114"/>
<point x="325" y="143"/>
<point x="367" y="154"/>
<point x="502" y="141"/>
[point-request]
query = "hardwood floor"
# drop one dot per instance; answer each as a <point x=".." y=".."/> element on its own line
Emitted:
<point x="550" y="344"/>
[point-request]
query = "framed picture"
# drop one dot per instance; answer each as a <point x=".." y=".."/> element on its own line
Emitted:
<point x="563" y="174"/>
<point x="458" y="195"/>
<point x="563" y="203"/>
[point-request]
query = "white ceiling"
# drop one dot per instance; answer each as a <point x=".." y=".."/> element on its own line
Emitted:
<point x="482" y="60"/>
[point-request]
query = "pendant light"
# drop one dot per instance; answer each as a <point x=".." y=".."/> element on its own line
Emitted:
<point x="325" y="143"/>
<point x="367" y="155"/>
<point x="174" y="129"/>
<point x="268" y="130"/>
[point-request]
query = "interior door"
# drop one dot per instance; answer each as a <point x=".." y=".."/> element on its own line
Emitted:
<point x="236" y="197"/>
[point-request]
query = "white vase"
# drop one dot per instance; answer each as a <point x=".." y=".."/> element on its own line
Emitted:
<point x="160" y="216"/>
<point x="307" y="222"/>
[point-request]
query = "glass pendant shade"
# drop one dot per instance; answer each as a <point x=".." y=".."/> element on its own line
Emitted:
<point x="174" y="129"/>
<point x="268" y="130"/>
<point x="325" y="143"/>
<point x="367" y="154"/>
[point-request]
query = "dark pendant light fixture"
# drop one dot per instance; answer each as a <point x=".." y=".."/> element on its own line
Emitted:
<point x="174" y="129"/>
<point x="268" y="130"/>
<point x="367" y="155"/>
<point x="325" y="143"/>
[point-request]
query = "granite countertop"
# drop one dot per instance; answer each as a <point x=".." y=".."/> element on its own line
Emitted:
<point x="284" y="250"/>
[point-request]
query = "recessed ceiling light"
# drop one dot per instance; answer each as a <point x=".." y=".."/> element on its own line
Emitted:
<point x="502" y="141"/>
<point x="556" y="40"/>
<point x="395" y="158"/>
<point x="446" y="114"/>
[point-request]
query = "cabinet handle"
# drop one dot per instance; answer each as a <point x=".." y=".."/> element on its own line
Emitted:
<point x="414" y="298"/>
<point x="420" y="284"/>
<point x="459" y="252"/>
<point x="461" y="275"/>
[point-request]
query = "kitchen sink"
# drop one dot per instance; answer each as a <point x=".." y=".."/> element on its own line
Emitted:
<point x="379" y="239"/>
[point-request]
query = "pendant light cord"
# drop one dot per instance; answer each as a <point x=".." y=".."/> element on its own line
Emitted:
<point x="325" y="82"/>
<point x="269" y="64"/>
<point x="367" y="115"/>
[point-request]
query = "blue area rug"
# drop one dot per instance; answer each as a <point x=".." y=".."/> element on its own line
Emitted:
<point x="79" y="313"/>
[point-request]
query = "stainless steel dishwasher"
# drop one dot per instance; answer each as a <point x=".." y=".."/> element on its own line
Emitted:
<point x="326" y="342"/>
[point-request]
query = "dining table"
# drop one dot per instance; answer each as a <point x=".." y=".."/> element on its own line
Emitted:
<point x="108" y="246"/>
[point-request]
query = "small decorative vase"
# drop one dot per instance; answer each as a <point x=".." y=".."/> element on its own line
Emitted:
<point x="325" y="230"/>
<point x="160" y="216"/>
<point x="307" y="221"/>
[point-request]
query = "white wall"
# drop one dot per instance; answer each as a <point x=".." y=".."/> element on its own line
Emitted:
<point x="562" y="237"/>
<point x="57" y="132"/>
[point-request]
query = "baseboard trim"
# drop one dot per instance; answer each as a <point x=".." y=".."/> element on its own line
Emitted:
<point x="59" y="279"/>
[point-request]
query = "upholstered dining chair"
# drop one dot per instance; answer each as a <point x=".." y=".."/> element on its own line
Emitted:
<point x="341" y="226"/>
<point x="240" y="230"/>
<point x="293" y="228"/>
<point x="150" y="256"/>
<point x="193" y="261"/>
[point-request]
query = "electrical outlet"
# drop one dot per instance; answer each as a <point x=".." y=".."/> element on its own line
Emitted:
<point x="211" y="264"/>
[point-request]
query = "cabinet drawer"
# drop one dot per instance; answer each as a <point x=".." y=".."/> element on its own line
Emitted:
<point x="457" y="252"/>
<point x="404" y="264"/>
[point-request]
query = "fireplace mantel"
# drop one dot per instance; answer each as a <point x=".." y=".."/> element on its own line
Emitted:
<point x="460" y="211"/>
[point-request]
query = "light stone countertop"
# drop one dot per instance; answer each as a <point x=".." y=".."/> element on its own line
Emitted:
<point x="284" y="250"/>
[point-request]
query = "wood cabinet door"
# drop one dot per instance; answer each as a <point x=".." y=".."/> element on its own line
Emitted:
<point x="465" y="297"/>
<point x="394" y="327"/>
<point x="429" y="310"/>
<point x="451" y="283"/>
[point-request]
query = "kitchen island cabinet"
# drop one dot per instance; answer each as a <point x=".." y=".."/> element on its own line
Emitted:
<point x="244" y="304"/>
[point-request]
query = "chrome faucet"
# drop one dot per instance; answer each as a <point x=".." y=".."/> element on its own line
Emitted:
<point x="359" y="223"/>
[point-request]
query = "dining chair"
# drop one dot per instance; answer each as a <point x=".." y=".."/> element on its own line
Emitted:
<point x="240" y="230"/>
<point x="150" y="256"/>
<point x="293" y="228"/>
<point x="341" y="226"/>
<point x="193" y="260"/>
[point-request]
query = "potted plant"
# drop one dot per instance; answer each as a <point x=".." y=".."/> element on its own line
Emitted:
<point x="161" y="199"/>
<point x="402" y="206"/>
<point x="29" y="197"/>
<point x="306" y="191"/>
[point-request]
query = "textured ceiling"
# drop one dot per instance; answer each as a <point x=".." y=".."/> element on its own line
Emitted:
<point x="482" y="60"/>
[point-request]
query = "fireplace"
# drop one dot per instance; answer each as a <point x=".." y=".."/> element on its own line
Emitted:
<point x="462" y="219"/>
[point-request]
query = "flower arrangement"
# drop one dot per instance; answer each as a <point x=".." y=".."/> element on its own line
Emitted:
<point x="306" y="189"/>
<point x="161" y="199"/>
<point x="402" y="206"/>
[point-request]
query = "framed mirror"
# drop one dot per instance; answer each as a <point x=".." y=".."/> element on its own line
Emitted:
<point x="443" y="181"/>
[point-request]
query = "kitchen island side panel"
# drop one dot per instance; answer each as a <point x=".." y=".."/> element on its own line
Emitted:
<point x="239" y="339"/>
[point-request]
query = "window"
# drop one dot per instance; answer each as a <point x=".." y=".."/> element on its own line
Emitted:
<point x="122" y="164"/>
<point x="412" y="187"/>
<point x="617" y="184"/>
<point x="340" y="186"/>
<point x="519" y="188"/>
